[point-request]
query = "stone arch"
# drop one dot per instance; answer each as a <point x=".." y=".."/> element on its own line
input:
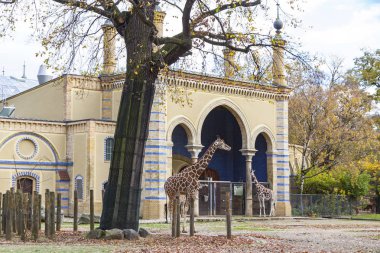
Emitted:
<point x="186" y="124"/>
<point x="26" y="174"/>
<point x="38" y="136"/>
<point x="268" y="135"/>
<point x="234" y="110"/>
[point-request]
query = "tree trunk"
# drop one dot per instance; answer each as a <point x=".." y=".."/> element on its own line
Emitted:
<point x="121" y="203"/>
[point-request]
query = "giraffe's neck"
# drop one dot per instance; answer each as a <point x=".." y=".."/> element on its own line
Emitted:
<point x="205" y="159"/>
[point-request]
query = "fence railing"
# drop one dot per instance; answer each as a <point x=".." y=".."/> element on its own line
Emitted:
<point x="322" y="205"/>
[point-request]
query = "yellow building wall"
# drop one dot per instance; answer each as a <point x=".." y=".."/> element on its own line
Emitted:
<point x="86" y="104"/>
<point x="116" y="98"/>
<point x="44" y="102"/>
<point x="79" y="167"/>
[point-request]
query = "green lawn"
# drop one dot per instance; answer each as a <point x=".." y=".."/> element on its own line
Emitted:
<point x="367" y="216"/>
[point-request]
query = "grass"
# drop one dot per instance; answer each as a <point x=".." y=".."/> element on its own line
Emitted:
<point x="367" y="216"/>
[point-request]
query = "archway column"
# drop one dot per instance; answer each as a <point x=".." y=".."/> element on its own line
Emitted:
<point x="194" y="151"/>
<point x="248" y="153"/>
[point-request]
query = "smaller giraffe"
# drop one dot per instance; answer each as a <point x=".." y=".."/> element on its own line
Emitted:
<point x="264" y="194"/>
<point x="186" y="183"/>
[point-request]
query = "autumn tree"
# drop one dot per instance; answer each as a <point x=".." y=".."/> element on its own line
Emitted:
<point x="208" y="26"/>
<point x="330" y="122"/>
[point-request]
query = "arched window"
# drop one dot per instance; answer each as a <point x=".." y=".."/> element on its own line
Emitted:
<point x="79" y="186"/>
<point x="108" y="148"/>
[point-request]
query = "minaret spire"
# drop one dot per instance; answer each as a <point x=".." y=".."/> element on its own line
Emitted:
<point x="278" y="44"/>
<point x="23" y="72"/>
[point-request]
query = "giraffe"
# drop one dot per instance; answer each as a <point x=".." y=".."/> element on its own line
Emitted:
<point x="186" y="182"/>
<point x="264" y="194"/>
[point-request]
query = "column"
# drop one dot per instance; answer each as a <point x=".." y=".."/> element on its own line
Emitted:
<point x="248" y="153"/>
<point x="194" y="151"/>
<point x="281" y="162"/>
<point x="156" y="163"/>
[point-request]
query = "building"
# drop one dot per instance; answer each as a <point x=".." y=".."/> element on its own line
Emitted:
<point x="61" y="137"/>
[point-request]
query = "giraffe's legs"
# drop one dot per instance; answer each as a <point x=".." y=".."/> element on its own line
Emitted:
<point x="264" y="207"/>
<point x="260" y="205"/>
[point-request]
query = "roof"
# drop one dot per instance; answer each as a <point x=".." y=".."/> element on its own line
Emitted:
<point x="10" y="86"/>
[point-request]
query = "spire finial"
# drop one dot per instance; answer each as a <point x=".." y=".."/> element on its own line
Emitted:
<point x="278" y="23"/>
<point x="23" y="72"/>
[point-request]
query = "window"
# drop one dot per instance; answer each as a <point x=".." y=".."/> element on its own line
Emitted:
<point x="79" y="186"/>
<point x="108" y="148"/>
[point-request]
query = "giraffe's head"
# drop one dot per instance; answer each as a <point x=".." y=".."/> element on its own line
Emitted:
<point x="253" y="176"/>
<point x="219" y="143"/>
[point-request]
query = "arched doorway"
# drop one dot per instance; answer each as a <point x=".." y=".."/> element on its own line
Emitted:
<point x="260" y="166"/>
<point x="181" y="156"/>
<point x="25" y="184"/>
<point x="227" y="166"/>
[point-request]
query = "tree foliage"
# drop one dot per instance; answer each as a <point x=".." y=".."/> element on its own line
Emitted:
<point x="330" y="122"/>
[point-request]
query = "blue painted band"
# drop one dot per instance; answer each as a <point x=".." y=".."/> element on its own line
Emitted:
<point x="107" y="99"/>
<point x="154" y="180"/>
<point x="282" y="192"/>
<point x="64" y="207"/>
<point x="155" y="171"/>
<point x="158" y="113"/>
<point x="282" y="176"/>
<point x="154" y="130"/>
<point x="158" y="146"/>
<point x="282" y="184"/>
<point x="283" y="169"/>
<point x="156" y="139"/>
<point x="62" y="190"/>
<point x="155" y="153"/>
<point x="36" y="163"/>
<point x="155" y="189"/>
<point x="23" y="168"/>
<point x="64" y="198"/>
<point x="282" y="161"/>
<point x="155" y="198"/>
<point x="155" y="162"/>
<point x="282" y="200"/>
<point x="157" y="121"/>
<point x="282" y="155"/>
<point x="66" y="181"/>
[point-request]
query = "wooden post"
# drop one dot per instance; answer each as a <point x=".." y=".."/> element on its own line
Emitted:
<point x="5" y="208"/>
<point x="92" y="210"/>
<point x="178" y="217"/>
<point x="9" y="221"/>
<point x="192" y="229"/>
<point x="39" y="211"/>
<point x="25" y="205"/>
<point x="36" y="216"/>
<point x="47" y="213"/>
<point x="228" y="215"/>
<point x="30" y="212"/>
<point x="174" y="217"/>
<point x="75" y="210"/>
<point x="1" y="213"/>
<point x="58" y="228"/>
<point x="12" y="209"/>
<point x="22" y="212"/>
<point x="18" y="210"/>
<point x="52" y="215"/>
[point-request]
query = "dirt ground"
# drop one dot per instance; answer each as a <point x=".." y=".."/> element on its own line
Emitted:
<point x="254" y="235"/>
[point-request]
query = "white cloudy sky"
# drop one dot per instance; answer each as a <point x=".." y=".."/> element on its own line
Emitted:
<point x="338" y="27"/>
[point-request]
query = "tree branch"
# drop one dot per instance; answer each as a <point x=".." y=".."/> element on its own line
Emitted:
<point x="85" y="6"/>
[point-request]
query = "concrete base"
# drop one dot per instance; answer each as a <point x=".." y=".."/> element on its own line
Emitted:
<point x="283" y="209"/>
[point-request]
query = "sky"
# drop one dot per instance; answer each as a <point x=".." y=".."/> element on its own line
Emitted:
<point x="329" y="28"/>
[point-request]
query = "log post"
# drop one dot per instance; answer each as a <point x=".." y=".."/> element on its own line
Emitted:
<point x="75" y="210"/>
<point x="30" y="212"/>
<point x="39" y="211"/>
<point x="23" y="210"/>
<point x="178" y="217"/>
<point x="9" y="221"/>
<point x="1" y="212"/>
<point x="192" y="229"/>
<point x="52" y="215"/>
<point x="92" y="210"/>
<point x="174" y="217"/>
<point x="58" y="227"/>
<point x="5" y="208"/>
<point x="47" y="213"/>
<point x="18" y="211"/>
<point x="228" y="215"/>
<point x="25" y="205"/>
<point x="36" y="216"/>
<point x="12" y="209"/>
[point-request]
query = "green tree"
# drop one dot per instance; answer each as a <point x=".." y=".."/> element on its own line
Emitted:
<point x="367" y="70"/>
<point x="203" y="25"/>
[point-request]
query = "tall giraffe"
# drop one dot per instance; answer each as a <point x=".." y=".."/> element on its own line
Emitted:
<point x="264" y="194"/>
<point x="185" y="183"/>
